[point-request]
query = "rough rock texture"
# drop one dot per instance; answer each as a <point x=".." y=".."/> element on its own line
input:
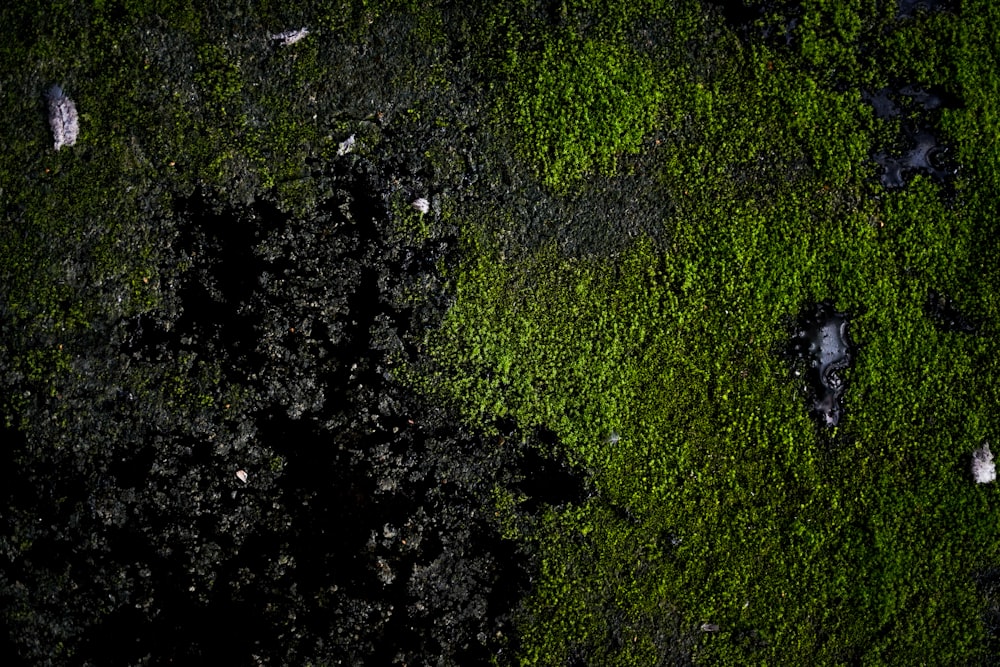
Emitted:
<point x="358" y="537"/>
<point x="283" y="319"/>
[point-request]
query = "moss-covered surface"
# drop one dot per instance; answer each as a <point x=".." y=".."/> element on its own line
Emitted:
<point x="630" y="204"/>
<point x="659" y="367"/>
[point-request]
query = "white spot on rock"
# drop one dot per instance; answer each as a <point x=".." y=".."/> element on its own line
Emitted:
<point x="290" y="37"/>
<point x="346" y="145"/>
<point x="242" y="475"/>
<point x="984" y="470"/>
<point x="63" y="118"/>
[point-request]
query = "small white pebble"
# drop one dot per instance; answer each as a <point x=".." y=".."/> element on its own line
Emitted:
<point x="289" y="37"/>
<point x="242" y="475"/>
<point x="346" y="145"/>
<point x="63" y="118"/>
<point x="984" y="470"/>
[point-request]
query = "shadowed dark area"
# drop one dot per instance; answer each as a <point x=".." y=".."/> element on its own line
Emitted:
<point x="947" y="316"/>
<point x="924" y="155"/>
<point x="351" y="538"/>
<point x="914" y="8"/>
<point x="919" y="149"/>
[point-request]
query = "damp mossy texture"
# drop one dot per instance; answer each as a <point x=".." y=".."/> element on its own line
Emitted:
<point x="725" y="525"/>
<point x="629" y="205"/>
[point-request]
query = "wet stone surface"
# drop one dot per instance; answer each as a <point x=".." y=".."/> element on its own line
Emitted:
<point x="821" y="350"/>
<point x="908" y="99"/>
<point x="919" y="148"/>
<point x="923" y="154"/>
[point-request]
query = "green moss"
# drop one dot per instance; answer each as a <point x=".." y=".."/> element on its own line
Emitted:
<point x="579" y="103"/>
<point x="813" y="547"/>
<point x="658" y="369"/>
<point x="718" y="500"/>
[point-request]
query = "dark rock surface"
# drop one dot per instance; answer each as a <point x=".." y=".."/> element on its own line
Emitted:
<point x="283" y="317"/>
<point x="913" y="8"/>
<point x="918" y="148"/>
<point x="359" y="536"/>
<point x="773" y="21"/>
<point x="923" y="153"/>
<point x="821" y="346"/>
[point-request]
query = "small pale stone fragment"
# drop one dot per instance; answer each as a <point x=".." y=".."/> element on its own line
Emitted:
<point x="385" y="572"/>
<point x="984" y="470"/>
<point x="289" y="37"/>
<point x="709" y="627"/>
<point x="421" y="205"/>
<point x="63" y="118"/>
<point x="346" y="145"/>
<point x="242" y="475"/>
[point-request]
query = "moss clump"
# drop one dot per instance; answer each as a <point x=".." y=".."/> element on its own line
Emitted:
<point x="577" y="104"/>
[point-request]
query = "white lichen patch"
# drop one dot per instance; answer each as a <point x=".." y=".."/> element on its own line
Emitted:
<point x="984" y="470"/>
<point x="290" y="37"/>
<point x="63" y="118"/>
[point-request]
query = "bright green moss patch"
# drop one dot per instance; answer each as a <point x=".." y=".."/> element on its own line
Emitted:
<point x="727" y="527"/>
<point x="660" y="375"/>
<point x="584" y="84"/>
<point x="579" y="103"/>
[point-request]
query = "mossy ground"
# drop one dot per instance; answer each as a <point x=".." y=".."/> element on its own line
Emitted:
<point x="645" y="196"/>
<point x="660" y="367"/>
